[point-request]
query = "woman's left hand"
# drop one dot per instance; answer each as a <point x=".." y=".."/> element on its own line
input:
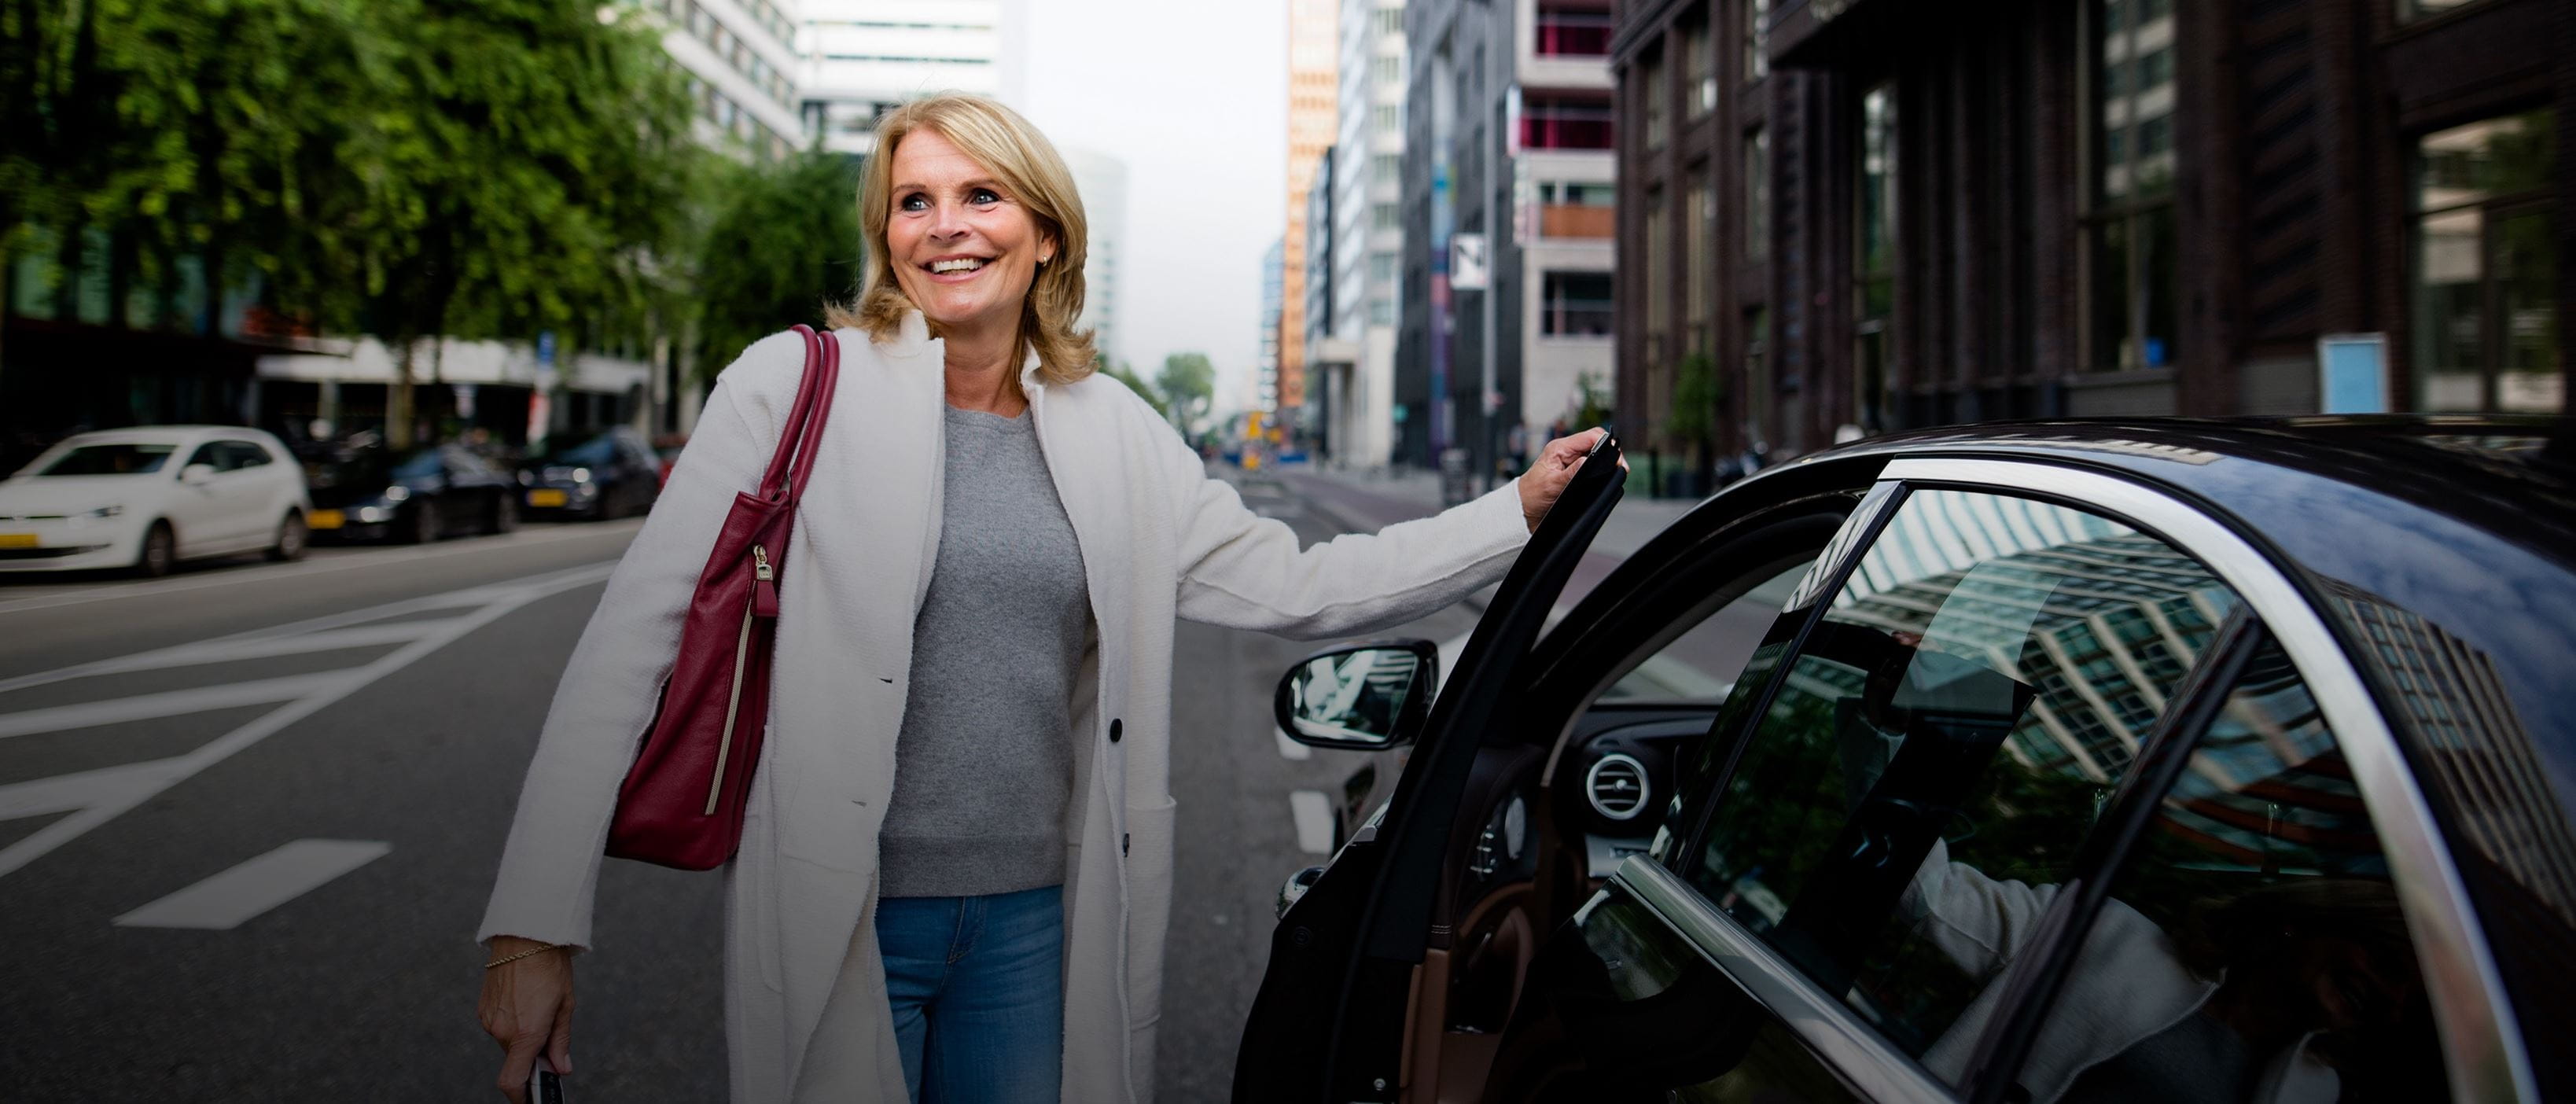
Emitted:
<point x="1547" y="477"/>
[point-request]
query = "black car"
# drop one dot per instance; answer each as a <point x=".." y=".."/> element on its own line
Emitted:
<point x="2043" y="762"/>
<point x="415" y="497"/>
<point x="614" y="474"/>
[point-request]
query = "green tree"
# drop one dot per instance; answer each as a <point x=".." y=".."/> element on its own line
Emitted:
<point x="532" y="166"/>
<point x="1126" y="374"/>
<point x="1188" y="384"/>
<point x="783" y="240"/>
<point x="1693" y="418"/>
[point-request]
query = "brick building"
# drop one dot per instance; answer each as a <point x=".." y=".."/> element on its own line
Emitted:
<point x="1882" y="214"/>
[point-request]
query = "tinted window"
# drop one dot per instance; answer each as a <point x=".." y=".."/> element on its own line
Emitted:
<point x="244" y="454"/>
<point x="419" y="465"/>
<point x="131" y="459"/>
<point x="2253" y="934"/>
<point x="1970" y="696"/>
<point x="210" y="454"/>
<point x="596" y="451"/>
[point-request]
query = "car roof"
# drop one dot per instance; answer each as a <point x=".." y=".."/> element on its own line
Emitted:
<point x="162" y="434"/>
<point x="2510" y="477"/>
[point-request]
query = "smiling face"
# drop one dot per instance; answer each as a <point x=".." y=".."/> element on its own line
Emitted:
<point x="963" y="248"/>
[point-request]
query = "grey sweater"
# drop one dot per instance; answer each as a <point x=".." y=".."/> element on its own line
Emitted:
<point x="984" y="763"/>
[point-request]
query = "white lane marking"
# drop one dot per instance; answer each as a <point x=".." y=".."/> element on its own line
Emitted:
<point x="522" y="539"/>
<point x="63" y="793"/>
<point x="308" y="628"/>
<point x="223" y="902"/>
<point x="225" y="651"/>
<point x="1314" y="813"/>
<point x="172" y="703"/>
<point x="1291" y="749"/>
<point x="111" y="805"/>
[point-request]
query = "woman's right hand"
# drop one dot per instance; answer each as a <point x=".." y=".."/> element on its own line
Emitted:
<point x="527" y="1008"/>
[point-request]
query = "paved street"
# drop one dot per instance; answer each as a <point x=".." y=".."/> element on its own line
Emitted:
<point x="249" y="814"/>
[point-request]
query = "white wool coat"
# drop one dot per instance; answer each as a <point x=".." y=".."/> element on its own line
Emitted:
<point x="805" y="1007"/>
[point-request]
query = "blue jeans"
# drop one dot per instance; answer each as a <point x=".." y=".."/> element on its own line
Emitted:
<point x="977" y="987"/>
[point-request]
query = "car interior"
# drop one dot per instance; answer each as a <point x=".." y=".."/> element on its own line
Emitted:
<point x="1584" y="773"/>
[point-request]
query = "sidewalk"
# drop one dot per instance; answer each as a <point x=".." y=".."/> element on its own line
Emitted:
<point x="1369" y="502"/>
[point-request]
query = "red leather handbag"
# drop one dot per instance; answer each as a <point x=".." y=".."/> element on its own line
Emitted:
<point x="682" y="803"/>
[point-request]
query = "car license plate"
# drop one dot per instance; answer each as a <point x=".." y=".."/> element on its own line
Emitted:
<point x="325" y="519"/>
<point x="545" y="497"/>
<point x="17" y="540"/>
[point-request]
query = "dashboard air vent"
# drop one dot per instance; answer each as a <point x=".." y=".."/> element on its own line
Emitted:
<point x="1617" y="786"/>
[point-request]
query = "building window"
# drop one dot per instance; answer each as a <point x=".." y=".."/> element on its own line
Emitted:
<point x="1757" y="196"/>
<point x="1568" y="30"/>
<point x="2486" y="267"/>
<point x="1699" y="242"/>
<point x="1757" y="39"/>
<point x="1575" y="304"/>
<point x="1381" y="312"/>
<point x="1757" y="369"/>
<point x="1382" y="268"/>
<point x="1874" y="265"/>
<point x="1387" y="168"/>
<point x="1549" y="122"/>
<point x="1657" y="293"/>
<point x="1388" y="71"/>
<point x="1390" y="21"/>
<point x="1699" y="72"/>
<point x="1382" y="216"/>
<point x="1552" y="193"/>
<point x="1387" y="118"/>
<point x="2129" y="252"/>
<point x="1656" y="94"/>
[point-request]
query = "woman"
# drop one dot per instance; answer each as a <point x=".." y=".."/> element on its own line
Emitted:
<point x="956" y="868"/>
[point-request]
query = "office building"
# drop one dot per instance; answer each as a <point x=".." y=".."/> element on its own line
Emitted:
<point x="1274" y="294"/>
<point x="742" y="63"/>
<point x="1508" y="151"/>
<point x="1102" y="181"/>
<point x="1312" y="50"/>
<point x="862" y="57"/>
<point x="1350" y="363"/>
<point x="1874" y="215"/>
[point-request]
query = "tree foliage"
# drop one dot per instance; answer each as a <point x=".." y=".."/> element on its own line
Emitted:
<point x="783" y="240"/>
<point x="1188" y="384"/>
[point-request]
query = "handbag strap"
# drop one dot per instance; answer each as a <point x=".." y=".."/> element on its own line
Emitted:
<point x="793" y="463"/>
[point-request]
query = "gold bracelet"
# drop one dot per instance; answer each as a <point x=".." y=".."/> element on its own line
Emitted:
<point x="525" y="953"/>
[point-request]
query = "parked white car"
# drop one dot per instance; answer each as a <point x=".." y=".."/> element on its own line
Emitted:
<point x="148" y="497"/>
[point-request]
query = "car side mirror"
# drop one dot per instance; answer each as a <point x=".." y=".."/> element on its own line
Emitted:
<point x="197" y="475"/>
<point x="1365" y="697"/>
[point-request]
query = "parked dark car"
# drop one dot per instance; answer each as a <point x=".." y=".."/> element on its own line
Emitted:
<point x="2049" y="762"/>
<point x="414" y="497"/>
<point x="608" y="476"/>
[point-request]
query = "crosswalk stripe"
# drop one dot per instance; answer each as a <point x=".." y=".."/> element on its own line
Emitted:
<point x="226" y="900"/>
<point x="1314" y="813"/>
<point x="64" y="793"/>
<point x="171" y="703"/>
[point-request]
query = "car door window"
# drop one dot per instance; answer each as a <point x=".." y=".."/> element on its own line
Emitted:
<point x="211" y="454"/>
<point x="2252" y="939"/>
<point x="244" y="454"/>
<point x="1700" y="664"/>
<point x="1969" y="697"/>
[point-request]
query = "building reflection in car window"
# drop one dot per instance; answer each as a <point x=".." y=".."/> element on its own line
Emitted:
<point x="2251" y="947"/>
<point x="1978" y="686"/>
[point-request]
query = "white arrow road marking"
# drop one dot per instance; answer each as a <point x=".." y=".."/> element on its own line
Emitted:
<point x="1314" y="813"/>
<point x="223" y="902"/>
<point x="103" y="796"/>
<point x="172" y="703"/>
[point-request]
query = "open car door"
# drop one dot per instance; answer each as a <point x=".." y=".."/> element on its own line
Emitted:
<point x="1329" y="1021"/>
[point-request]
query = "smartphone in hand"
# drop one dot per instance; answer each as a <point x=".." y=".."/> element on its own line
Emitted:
<point x="545" y="1086"/>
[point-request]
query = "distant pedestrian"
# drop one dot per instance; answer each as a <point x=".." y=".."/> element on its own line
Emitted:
<point x="956" y="869"/>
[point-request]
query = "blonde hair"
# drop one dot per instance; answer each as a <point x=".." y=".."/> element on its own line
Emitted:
<point x="1004" y="144"/>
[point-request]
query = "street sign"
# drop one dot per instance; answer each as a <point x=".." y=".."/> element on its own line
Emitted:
<point x="2352" y="373"/>
<point x="1468" y="262"/>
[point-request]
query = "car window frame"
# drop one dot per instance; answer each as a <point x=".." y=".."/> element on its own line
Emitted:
<point x="2482" y="1046"/>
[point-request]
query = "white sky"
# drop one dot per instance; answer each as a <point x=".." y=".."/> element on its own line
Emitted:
<point x="1193" y="96"/>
